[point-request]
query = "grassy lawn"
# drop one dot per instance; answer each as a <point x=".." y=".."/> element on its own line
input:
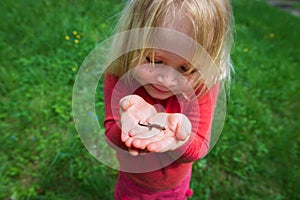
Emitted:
<point x="42" y="45"/>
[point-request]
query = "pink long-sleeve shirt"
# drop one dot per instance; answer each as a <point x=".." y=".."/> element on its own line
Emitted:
<point x="159" y="171"/>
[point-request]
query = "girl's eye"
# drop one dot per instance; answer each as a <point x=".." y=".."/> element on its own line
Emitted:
<point x="149" y="60"/>
<point x="184" y="68"/>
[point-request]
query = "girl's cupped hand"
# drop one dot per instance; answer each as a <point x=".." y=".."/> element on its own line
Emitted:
<point x="163" y="131"/>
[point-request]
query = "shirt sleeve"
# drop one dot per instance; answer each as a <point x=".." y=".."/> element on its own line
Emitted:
<point x="201" y="115"/>
<point x="112" y="123"/>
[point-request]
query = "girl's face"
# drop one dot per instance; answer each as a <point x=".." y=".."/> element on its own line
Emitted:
<point x="164" y="75"/>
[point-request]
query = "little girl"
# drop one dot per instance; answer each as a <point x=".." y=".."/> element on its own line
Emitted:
<point x="160" y="94"/>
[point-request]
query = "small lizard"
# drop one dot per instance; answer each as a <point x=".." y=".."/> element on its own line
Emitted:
<point x="157" y="126"/>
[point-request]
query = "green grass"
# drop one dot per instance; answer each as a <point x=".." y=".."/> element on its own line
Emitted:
<point x="42" y="157"/>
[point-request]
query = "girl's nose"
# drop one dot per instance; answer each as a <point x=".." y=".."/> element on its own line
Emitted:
<point x="167" y="79"/>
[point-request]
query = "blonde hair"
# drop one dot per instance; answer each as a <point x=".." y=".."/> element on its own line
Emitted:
<point x="212" y="29"/>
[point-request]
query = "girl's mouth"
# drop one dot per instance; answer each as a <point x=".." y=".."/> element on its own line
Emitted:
<point x="159" y="89"/>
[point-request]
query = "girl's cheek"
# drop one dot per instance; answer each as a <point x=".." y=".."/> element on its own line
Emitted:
<point x="143" y="72"/>
<point x="187" y="86"/>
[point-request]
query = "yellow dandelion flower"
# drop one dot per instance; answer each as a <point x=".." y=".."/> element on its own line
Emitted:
<point x="74" y="32"/>
<point x="78" y="36"/>
<point x="246" y="50"/>
<point x="272" y="35"/>
<point x="73" y="68"/>
<point x="67" y="37"/>
<point x="76" y="41"/>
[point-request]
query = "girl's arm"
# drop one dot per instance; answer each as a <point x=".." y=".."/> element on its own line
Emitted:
<point x="112" y="123"/>
<point x="186" y="136"/>
<point x="123" y="112"/>
<point x="198" y="144"/>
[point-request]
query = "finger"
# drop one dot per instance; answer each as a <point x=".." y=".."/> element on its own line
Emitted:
<point x="165" y="144"/>
<point x="128" y="101"/>
<point x="181" y="125"/>
<point x="125" y="104"/>
<point x="129" y="141"/>
<point x="182" y="133"/>
<point x="124" y="136"/>
<point x="141" y="143"/>
<point x="133" y="152"/>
